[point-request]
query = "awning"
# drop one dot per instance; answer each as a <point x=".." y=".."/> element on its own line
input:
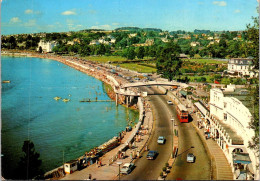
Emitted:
<point x="241" y="158"/>
<point x="201" y="108"/>
<point x="184" y="93"/>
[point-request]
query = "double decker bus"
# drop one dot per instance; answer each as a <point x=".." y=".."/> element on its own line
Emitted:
<point x="182" y="113"/>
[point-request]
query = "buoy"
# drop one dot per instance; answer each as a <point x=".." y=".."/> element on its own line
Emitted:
<point x="66" y="100"/>
<point x="57" y="98"/>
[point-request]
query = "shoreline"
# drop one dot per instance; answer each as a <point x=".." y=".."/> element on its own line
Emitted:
<point x="86" y="66"/>
<point x="77" y="64"/>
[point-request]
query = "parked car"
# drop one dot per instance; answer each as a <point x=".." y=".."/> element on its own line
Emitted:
<point x="127" y="168"/>
<point x="151" y="155"/>
<point x="169" y="102"/>
<point x="161" y="140"/>
<point x="190" y="158"/>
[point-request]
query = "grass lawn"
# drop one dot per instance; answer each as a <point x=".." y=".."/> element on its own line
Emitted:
<point x="138" y="67"/>
<point x="206" y="61"/>
<point x="105" y="59"/>
<point x="192" y="78"/>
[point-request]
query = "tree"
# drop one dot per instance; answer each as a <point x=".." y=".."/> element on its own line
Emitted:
<point x="29" y="164"/>
<point x="140" y="52"/>
<point x="40" y="49"/>
<point x="254" y="124"/>
<point x="131" y="53"/>
<point x="253" y="37"/>
<point x="168" y="62"/>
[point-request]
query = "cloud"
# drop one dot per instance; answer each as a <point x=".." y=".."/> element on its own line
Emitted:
<point x="220" y="3"/>
<point x="15" y="20"/>
<point x="106" y="27"/>
<point x="70" y="12"/>
<point x="237" y="11"/>
<point x="28" y="11"/>
<point x="31" y="22"/>
<point x="115" y="24"/>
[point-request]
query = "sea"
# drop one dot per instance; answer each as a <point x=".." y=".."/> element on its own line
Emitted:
<point x="61" y="131"/>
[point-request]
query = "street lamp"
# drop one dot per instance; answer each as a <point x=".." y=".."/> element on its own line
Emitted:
<point x="172" y="135"/>
<point x="119" y="163"/>
<point x="185" y="151"/>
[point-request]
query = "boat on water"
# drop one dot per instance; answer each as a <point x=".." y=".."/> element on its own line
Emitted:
<point x="57" y="98"/>
<point x="66" y="100"/>
<point x="6" y="81"/>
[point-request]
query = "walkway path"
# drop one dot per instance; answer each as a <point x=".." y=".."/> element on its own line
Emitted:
<point x="110" y="172"/>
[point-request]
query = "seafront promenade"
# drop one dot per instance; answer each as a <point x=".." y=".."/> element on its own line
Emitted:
<point x="110" y="171"/>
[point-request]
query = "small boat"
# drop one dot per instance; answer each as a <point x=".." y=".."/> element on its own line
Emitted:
<point x="57" y="98"/>
<point x="66" y="100"/>
<point x="6" y="81"/>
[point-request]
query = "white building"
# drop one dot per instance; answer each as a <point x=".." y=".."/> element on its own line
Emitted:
<point x="70" y="166"/>
<point x="241" y="67"/>
<point x="193" y="44"/>
<point x="228" y="123"/>
<point x="46" y="46"/>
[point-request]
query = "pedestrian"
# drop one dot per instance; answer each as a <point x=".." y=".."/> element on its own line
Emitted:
<point x="89" y="176"/>
<point x="97" y="163"/>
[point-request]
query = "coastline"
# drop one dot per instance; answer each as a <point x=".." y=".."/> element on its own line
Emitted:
<point x="79" y="64"/>
<point x="75" y="63"/>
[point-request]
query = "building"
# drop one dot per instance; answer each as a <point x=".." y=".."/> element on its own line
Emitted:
<point x="46" y="46"/>
<point x="241" y="67"/>
<point x="193" y="44"/>
<point x="228" y="124"/>
<point x="70" y="166"/>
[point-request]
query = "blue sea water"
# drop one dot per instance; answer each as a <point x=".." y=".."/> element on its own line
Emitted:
<point x="30" y="112"/>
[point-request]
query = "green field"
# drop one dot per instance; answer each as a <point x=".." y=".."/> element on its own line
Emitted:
<point x="105" y="59"/>
<point x="209" y="78"/>
<point x="138" y="67"/>
<point x="206" y="61"/>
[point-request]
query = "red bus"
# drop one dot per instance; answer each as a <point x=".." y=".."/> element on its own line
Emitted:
<point x="182" y="113"/>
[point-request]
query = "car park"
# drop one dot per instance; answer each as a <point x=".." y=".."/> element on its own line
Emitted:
<point x="151" y="155"/>
<point x="190" y="158"/>
<point x="169" y="102"/>
<point x="161" y="140"/>
<point x="127" y="168"/>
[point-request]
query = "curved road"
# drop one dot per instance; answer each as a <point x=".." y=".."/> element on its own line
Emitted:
<point x="150" y="169"/>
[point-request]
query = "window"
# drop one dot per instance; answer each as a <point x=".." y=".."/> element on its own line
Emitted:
<point x="225" y="104"/>
<point x="225" y="116"/>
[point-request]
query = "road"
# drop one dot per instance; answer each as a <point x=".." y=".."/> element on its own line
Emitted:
<point x="150" y="169"/>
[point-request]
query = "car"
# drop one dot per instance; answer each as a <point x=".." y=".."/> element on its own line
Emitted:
<point x="127" y="168"/>
<point x="161" y="140"/>
<point x="151" y="155"/>
<point x="190" y="158"/>
<point x="169" y="102"/>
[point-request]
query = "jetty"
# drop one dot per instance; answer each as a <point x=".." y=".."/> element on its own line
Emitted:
<point x="96" y="101"/>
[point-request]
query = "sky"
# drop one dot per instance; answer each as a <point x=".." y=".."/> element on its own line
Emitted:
<point x="34" y="16"/>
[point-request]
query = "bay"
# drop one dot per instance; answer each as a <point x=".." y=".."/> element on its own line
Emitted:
<point x="29" y="111"/>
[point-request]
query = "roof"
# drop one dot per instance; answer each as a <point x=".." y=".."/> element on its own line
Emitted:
<point x="71" y="161"/>
<point x="243" y="96"/>
<point x="182" y="107"/>
<point x="201" y="108"/>
<point x="127" y="164"/>
<point x="183" y="92"/>
<point x="236" y="139"/>
<point x="241" y="158"/>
